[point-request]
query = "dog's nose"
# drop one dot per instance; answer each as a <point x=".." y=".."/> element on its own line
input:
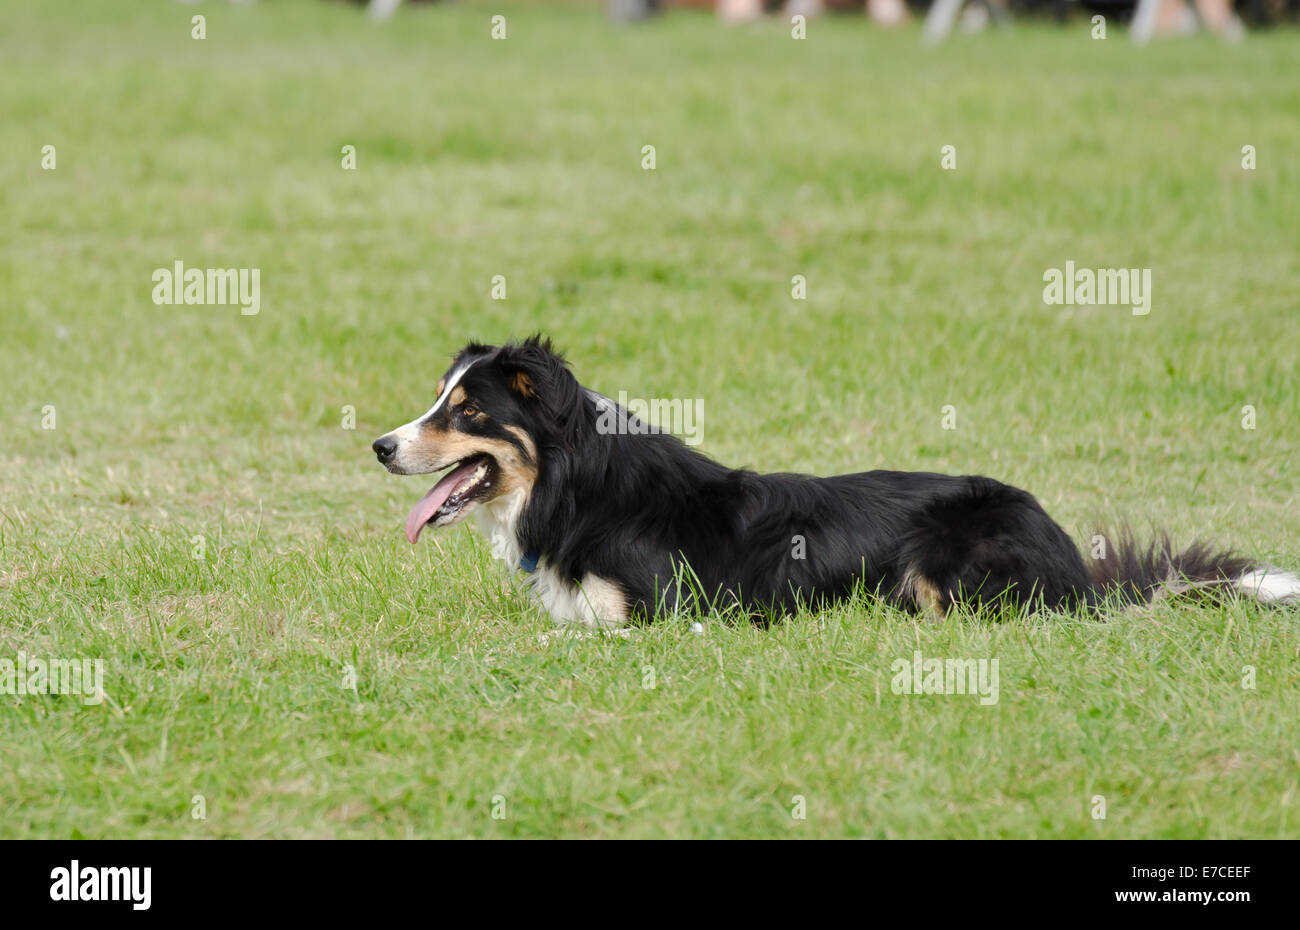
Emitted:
<point x="385" y="447"/>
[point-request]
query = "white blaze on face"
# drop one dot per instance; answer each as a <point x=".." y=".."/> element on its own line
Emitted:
<point x="410" y="432"/>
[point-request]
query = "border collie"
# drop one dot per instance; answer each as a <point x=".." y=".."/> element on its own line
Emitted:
<point x="612" y="526"/>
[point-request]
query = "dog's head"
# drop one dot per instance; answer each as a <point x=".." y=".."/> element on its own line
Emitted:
<point x="497" y="413"/>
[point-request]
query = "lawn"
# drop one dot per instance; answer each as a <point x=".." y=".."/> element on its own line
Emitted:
<point x="182" y="497"/>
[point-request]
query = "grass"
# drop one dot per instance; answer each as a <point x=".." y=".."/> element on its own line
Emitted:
<point x="195" y="430"/>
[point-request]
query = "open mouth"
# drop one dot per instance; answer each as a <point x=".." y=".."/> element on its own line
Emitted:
<point x="447" y="501"/>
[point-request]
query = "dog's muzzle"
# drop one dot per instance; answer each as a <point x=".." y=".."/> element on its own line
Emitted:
<point x="385" y="448"/>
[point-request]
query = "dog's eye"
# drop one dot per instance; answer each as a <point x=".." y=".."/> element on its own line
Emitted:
<point x="469" y="410"/>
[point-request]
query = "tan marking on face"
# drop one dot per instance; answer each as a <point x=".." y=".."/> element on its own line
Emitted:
<point x="438" y="448"/>
<point x="526" y="440"/>
<point x="457" y="396"/>
<point x="442" y="386"/>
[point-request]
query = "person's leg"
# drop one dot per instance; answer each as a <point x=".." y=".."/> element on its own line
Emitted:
<point x="805" y="8"/>
<point x="1218" y="17"/>
<point x="739" y="11"/>
<point x="1175" y="18"/>
<point x="887" y="12"/>
<point x="380" y="10"/>
<point x="626" y="11"/>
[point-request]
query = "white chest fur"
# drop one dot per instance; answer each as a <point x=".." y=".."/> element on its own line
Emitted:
<point x="593" y="603"/>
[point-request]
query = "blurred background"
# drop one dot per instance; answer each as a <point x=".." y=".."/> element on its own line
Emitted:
<point x="1147" y="18"/>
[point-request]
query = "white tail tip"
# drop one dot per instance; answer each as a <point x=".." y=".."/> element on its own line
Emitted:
<point x="1270" y="585"/>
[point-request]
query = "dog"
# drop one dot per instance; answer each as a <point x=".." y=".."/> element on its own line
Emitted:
<point x="612" y="526"/>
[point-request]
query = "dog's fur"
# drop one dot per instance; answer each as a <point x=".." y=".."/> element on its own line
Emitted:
<point x="612" y="526"/>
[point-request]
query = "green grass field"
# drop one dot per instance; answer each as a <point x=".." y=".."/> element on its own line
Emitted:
<point x="200" y="519"/>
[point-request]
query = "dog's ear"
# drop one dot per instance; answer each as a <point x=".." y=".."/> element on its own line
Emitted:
<point x="538" y="373"/>
<point x="521" y="383"/>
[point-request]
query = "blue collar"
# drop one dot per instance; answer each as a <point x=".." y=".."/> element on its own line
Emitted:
<point x="528" y="563"/>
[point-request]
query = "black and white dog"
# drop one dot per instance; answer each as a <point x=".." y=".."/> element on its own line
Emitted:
<point x="618" y="525"/>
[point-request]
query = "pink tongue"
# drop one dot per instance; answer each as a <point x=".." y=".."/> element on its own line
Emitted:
<point x="437" y="496"/>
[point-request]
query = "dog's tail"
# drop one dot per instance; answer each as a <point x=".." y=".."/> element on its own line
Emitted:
<point x="1135" y="574"/>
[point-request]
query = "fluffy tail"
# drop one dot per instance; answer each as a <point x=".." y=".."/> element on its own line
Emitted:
<point x="1139" y="575"/>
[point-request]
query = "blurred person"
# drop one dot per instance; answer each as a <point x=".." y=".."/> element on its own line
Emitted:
<point x="1176" y="17"/>
<point x="378" y="10"/>
<point x="626" y="11"/>
<point x="884" y="12"/>
<point x="739" y="11"/>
